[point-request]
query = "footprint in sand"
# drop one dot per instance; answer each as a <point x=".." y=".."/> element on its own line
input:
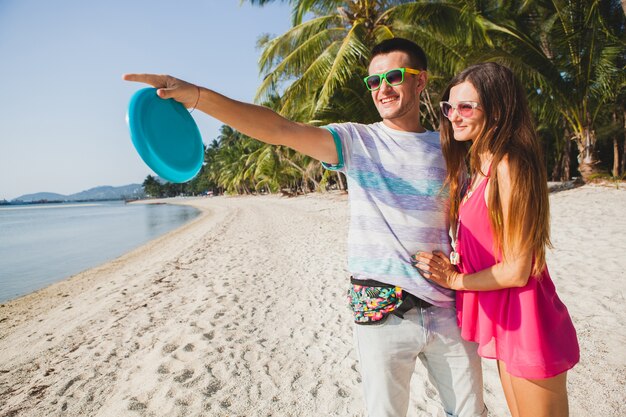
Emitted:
<point x="184" y="376"/>
<point x="169" y="348"/>
<point x="213" y="387"/>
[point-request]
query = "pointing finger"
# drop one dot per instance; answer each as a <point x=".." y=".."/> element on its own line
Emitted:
<point x="154" y="80"/>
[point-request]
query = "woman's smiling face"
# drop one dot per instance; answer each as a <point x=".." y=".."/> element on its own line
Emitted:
<point x="465" y="128"/>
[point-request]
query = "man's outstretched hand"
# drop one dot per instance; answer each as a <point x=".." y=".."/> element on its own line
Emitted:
<point x="169" y="87"/>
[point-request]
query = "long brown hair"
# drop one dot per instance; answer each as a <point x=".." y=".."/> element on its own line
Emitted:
<point x="508" y="132"/>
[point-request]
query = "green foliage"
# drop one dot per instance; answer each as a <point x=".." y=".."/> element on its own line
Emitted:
<point x="152" y="187"/>
<point x="156" y="189"/>
<point x="570" y="54"/>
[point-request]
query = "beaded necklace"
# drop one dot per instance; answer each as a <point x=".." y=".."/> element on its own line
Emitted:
<point x="474" y="183"/>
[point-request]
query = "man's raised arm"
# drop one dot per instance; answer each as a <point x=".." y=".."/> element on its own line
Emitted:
<point x="255" y="121"/>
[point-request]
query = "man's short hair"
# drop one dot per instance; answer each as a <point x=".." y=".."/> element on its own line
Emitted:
<point x="413" y="50"/>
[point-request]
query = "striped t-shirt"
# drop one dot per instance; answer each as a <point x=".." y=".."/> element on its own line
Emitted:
<point x="397" y="205"/>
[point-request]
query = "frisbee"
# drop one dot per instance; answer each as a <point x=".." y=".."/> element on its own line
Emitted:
<point x="165" y="136"/>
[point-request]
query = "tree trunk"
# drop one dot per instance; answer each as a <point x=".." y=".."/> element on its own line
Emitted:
<point x="623" y="167"/>
<point x="615" y="157"/>
<point x="432" y="114"/>
<point x="561" y="170"/>
<point x="616" y="171"/>
<point x="342" y="186"/>
<point x="556" y="170"/>
<point x="566" y="161"/>
<point x="587" y="162"/>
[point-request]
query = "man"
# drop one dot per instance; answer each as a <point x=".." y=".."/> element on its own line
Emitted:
<point x="395" y="173"/>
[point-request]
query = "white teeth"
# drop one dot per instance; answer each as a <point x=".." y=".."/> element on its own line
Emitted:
<point x="388" y="99"/>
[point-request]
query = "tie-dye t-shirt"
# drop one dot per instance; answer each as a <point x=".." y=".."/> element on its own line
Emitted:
<point x="397" y="206"/>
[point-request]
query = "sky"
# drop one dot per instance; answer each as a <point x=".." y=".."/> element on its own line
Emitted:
<point x="63" y="103"/>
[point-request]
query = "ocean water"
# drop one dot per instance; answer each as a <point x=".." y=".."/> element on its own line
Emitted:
<point x="43" y="244"/>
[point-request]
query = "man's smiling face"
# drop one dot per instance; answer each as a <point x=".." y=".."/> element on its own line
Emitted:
<point x="397" y="104"/>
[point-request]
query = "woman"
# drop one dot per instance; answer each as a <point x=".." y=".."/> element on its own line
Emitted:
<point x="506" y="301"/>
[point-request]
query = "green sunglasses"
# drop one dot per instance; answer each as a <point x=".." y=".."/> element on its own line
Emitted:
<point x="393" y="77"/>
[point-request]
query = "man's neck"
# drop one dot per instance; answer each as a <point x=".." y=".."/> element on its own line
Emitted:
<point x="405" y="125"/>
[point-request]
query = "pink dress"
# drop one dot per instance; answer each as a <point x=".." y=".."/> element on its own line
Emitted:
<point x="527" y="328"/>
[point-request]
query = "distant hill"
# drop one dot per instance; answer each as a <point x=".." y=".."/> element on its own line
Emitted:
<point x="98" y="193"/>
<point x="41" y="196"/>
<point x="109" y="193"/>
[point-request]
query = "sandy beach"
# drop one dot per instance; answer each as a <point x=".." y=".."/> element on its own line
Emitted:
<point x="242" y="312"/>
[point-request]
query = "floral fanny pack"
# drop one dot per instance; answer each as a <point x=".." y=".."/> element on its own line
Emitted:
<point x="372" y="301"/>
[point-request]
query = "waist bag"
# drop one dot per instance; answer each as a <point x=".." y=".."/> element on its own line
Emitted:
<point x="372" y="301"/>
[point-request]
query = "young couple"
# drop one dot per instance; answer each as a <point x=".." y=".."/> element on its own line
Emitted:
<point x="399" y="255"/>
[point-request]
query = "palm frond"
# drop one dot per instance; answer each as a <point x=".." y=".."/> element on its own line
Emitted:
<point x="296" y="62"/>
<point x="283" y="45"/>
<point x="349" y="55"/>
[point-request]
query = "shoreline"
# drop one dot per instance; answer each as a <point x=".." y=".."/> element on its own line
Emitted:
<point x="553" y="187"/>
<point x="70" y="239"/>
<point x="241" y="311"/>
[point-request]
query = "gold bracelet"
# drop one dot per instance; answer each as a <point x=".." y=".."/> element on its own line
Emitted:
<point x="197" y="100"/>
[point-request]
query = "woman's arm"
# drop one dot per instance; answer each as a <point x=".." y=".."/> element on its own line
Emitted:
<point x="513" y="271"/>
<point x="506" y="274"/>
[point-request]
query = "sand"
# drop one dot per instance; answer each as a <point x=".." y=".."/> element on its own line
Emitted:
<point x="242" y="312"/>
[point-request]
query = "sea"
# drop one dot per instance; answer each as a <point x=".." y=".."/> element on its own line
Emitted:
<point x="44" y="243"/>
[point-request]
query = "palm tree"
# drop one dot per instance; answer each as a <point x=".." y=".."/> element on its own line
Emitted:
<point x="228" y="161"/>
<point x="569" y="53"/>
<point x="314" y="57"/>
<point x="328" y="54"/>
<point x="152" y="187"/>
<point x="317" y="66"/>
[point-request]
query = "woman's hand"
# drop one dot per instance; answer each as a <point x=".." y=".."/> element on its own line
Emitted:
<point x="437" y="267"/>
<point x="169" y="87"/>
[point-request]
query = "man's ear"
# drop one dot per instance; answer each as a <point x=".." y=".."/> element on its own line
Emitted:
<point x="422" y="81"/>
